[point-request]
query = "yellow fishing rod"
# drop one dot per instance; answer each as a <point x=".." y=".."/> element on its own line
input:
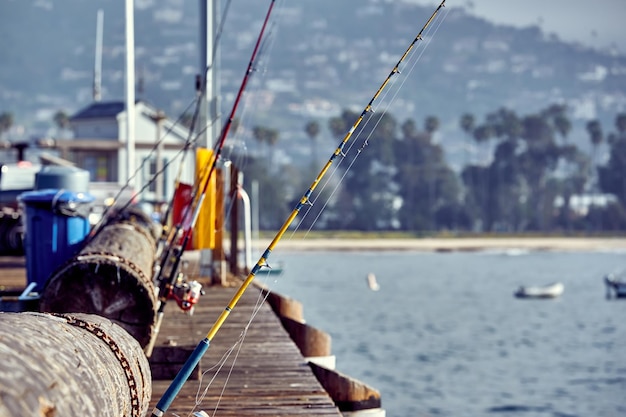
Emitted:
<point x="193" y="360"/>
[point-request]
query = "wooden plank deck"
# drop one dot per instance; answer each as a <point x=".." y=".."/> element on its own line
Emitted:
<point x="269" y="376"/>
<point x="265" y="373"/>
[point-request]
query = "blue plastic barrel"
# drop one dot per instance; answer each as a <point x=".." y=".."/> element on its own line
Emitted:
<point x="56" y="224"/>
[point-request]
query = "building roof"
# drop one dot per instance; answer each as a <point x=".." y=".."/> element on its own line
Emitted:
<point x="108" y="110"/>
<point x="100" y="110"/>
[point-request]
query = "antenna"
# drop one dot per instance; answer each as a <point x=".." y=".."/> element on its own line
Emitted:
<point x="97" y="70"/>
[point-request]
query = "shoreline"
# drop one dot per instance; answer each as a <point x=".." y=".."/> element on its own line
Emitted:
<point x="570" y="244"/>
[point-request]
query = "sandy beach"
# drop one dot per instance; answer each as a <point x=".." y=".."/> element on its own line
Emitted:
<point x="581" y="244"/>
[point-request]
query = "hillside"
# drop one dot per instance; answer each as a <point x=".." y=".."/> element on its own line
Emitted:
<point x="323" y="56"/>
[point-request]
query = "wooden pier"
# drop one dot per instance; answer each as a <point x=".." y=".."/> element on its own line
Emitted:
<point x="264" y="373"/>
<point x="252" y="367"/>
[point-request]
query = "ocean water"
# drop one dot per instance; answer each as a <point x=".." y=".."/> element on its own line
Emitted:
<point x="444" y="335"/>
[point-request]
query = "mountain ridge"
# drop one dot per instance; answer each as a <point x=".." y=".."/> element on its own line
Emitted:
<point x="326" y="56"/>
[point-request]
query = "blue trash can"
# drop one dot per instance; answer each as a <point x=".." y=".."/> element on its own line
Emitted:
<point x="56" y="224"/>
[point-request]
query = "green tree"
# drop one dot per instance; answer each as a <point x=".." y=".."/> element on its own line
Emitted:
<point x="431" y="124"/>
<point x="427" y="185"/>
<point x="62" y="121"/>
<point x="576" y="172"/>
<point x="467" y="124"/>
<point x="409" y="128"/>
<point x="562" y="124"/>
<point x="369" y="181"/>
<point x="338" y="126"/>
<point x="6" y="122"/>
<point x="312" y="130"/>
<point x="594" y="129"/>
<point x="620" y="124"/>
<point x="266" y="136"/>
<point x="611" y="176"/>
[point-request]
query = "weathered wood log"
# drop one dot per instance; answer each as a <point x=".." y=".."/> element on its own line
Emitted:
<point x="111" y="277"/>
<point x="310" y="340"/>
<point x="285" y="306"/>
<point x="70" y="365"/>
<point x="349" y="394"/>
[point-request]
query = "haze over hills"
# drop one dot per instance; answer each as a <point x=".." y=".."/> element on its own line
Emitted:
<point x="323" y="56"/>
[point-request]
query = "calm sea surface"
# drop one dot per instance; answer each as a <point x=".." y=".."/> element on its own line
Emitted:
<point x="444" y="335"/>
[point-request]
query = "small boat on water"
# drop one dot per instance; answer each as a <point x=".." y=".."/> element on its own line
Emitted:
<point x="547" y="291"/>
<point x="372" y="283"/>
<point x="615" y="285"/>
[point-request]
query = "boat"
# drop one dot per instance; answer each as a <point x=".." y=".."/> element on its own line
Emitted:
<point x="615" y="284"/>
<point x="372" y="283"/>
<point x="552" y="290"/>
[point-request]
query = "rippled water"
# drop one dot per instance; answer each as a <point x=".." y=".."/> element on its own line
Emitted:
<point x="444" y="335"/>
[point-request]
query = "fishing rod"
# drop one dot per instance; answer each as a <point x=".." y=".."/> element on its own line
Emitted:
<point x="188" y="144"/>
<point x="200" y="92"/>
<point x="166" y="285"/>
<point x="172" y="391"/>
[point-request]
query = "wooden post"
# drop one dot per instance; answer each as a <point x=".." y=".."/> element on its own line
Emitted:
<point x="70" y="365"/>
<point x="111" y="276"/>
<point x="234" y="221"/>
<point x="349" y="394"/>
<point x="285" y="306"/>
<point x="218" y="275"/>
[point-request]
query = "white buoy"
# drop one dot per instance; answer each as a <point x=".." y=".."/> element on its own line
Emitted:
<point x="371" y="282"/>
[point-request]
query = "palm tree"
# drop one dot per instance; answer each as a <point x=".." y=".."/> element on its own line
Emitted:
<point x="268" y="136"/>
<point x="594" y="128"/>
<point x="481" y="135"/>
<point x="312" y="129"/>
<point x="595" y="136"/>
<point x="563" y="126"/>
<point x="272" y="139"/>
<point x="62" y="120"/>
<point x="260" y="134"/>
<point x="409" y="129"/>
<point x="6" y="121"/>
<point x="467" y="124"/>
<point x="431" y="124"/>
<point x="337" y="126"/>
<point x="620" y="124"/>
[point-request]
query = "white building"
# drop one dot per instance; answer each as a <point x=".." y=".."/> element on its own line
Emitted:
<point x="99" y="146"/>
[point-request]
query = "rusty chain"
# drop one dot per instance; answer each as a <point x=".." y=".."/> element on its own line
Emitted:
<point x="124" y="362"/>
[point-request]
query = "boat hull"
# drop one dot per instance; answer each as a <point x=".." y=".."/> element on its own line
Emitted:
<point x="548" y="291"/>
<point x="615" y="286"/>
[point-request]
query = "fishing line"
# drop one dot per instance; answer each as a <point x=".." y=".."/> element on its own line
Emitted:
<point x="98" y="224"/>
<point x="414" y="58"/>
<point x="201" y="187"/>
<point x="201" y="396"/>
<point x="201" y="93"/>
<point x="199" y="192"/>
<point x="183" y="375"/>
<point x="260" y="66"/>
<point x="261" y="299"/>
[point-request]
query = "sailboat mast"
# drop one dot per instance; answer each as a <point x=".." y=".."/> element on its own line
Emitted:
<point x="130" y="90"/>
<point x="97" y="68"/>
<point x="208" y="117"/>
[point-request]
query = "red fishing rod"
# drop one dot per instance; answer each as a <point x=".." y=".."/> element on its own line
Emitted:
<point x="187" y="223"/>
<point x="167" y="237"/>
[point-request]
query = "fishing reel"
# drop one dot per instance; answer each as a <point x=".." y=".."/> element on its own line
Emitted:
<point x="186" y="294"/>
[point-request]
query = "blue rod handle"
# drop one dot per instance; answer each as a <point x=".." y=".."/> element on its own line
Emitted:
<point x="182" y="376"/>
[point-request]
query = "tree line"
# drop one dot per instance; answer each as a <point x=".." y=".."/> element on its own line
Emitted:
<point x="526" y="177"/>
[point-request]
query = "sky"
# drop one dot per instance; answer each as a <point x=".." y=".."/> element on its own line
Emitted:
<point x="596" y="23"/>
